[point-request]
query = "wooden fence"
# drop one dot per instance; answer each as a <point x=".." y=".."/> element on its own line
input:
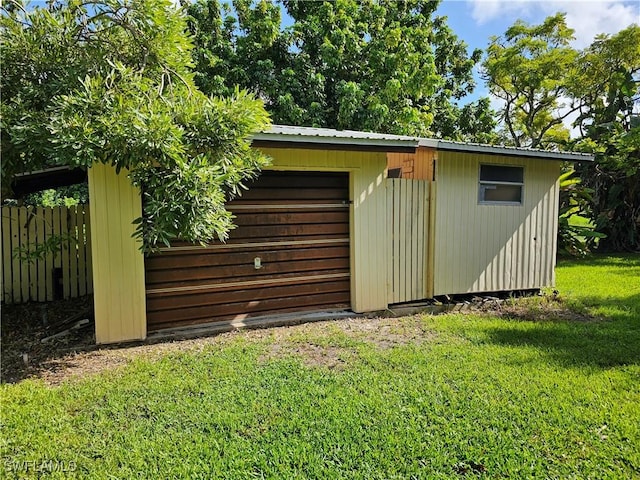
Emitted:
<point x="408" y="206"/>
<point x="64" y="272"/>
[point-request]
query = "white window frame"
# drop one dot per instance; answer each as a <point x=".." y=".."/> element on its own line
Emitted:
<point x="482" y="184"/>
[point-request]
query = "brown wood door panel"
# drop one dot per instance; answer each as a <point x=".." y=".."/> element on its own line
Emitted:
<point x="179" y="248"/>
<point x="266" y="204"/>
<point x="157" y="303"/>
<point x="184" y="276"/>
<point x="246" y="256"/>
<point x="266" y="232"/>
<point x="292" y="195"/>
<point x="299" y="180"/>
<point x="290" y="218"/>
<point x="248" y="308"/>
<point x="294" y="238"/>
<point x="240" y="283"/>
<point x="297" y="223"/>
<point x="152" y="327"/>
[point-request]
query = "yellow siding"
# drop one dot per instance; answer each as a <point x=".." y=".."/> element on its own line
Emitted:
<point x="484" y="248"/>
<point x="408" y="219"/>
<point x="118" y="264"/>
<point x="369" y="240"/>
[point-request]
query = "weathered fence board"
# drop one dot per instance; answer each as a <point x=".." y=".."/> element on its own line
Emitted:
<point x="408" y="202"/>
<point x="24" y="228"/>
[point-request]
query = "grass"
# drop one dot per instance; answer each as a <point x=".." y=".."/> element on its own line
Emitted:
<point x="425" y="397"/>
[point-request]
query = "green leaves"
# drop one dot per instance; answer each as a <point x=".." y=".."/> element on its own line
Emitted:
<point x="111" y="82"/>
<point x="576" y="234"/>
<point x="542" y="81"/>
<point x="380" y="66"/>
<point x="608" y="83"/>
<point x="529" y="69"/>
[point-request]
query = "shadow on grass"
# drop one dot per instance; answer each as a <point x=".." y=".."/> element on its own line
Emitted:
<point x="613" y="340"/>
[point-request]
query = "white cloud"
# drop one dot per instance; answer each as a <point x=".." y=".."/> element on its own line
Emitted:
<point x="587" y="17"/>
<point x="484" y="11"/>
<point x="591" y="18"/>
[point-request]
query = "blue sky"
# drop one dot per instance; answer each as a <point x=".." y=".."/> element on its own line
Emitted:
<point x="475" y="21"/>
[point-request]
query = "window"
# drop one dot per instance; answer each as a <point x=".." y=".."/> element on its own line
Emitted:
<point x="500" y="185"/>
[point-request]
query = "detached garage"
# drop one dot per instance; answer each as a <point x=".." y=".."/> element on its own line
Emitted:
<point x="324" y="229"/>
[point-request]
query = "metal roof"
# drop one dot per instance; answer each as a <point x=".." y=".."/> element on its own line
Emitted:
<point x="505" y="150"/>
<point x="287" y="133"/>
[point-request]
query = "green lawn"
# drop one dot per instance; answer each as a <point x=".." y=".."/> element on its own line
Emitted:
<point x="424" y="397"/>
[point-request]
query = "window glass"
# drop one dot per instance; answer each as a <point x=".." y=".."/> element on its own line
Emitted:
<point x="499" y="173"/>
<point x="502" y="193"/>
<point x="501" y="184"/>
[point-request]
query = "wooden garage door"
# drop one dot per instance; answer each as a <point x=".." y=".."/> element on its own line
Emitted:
<point x="289" y="253"/>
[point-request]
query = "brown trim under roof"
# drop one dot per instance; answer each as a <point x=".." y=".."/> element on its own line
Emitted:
<point x="331" y="146"/>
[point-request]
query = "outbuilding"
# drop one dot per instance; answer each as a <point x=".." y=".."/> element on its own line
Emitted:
<point x="341" y="221"/>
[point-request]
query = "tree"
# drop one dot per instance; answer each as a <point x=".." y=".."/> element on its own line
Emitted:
<point x="607" y="86"/>
<point x="529" y="68"/>
<point x="111" y="82"/>
<point x="380" y="66"/>
<point x="542" y="81"/>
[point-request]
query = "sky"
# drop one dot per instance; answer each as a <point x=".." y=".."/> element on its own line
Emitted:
<point x="475" y="21"/>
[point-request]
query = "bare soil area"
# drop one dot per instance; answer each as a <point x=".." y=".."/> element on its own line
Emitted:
<point x="75" y="354"/>
<point x="24" y="327"/>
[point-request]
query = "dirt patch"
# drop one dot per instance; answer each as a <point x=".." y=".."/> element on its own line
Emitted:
<point x="77" y="355"/>
<point x="542" y="308"/>
<point x="383" y="333"/>
<point x="99" y="359"/>
<point x="74" y="355"/>
<point x="387" y="333"/>
<point x="24" y="326"/>
<point x="310" y="354"/>
<point x="328" y="343"/>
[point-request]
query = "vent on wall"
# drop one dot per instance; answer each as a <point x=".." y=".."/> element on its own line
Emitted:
<point x="395" y="173"/>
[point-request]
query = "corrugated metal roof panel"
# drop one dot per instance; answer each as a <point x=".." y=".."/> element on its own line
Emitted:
<point x="288" y="133"/>
<point x="506" y="150"/>
<point x="332" y="133"/>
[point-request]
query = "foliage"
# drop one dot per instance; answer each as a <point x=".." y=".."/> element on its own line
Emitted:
<point x="110" y="82"/>
<point x="38" y="251"/>
<point x="528" y="69"/>
<point x="574" y="237"/>
<point x="492" y="397"/>
<point x="61" y="196"/>
<point x="380" y="66"/>
<point x="608" y="84"/>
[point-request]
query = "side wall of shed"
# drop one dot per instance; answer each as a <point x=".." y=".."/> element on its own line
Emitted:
<point x="486" y="248"/>
<point x="118" y="263"/>
<point x="369" y="240"/>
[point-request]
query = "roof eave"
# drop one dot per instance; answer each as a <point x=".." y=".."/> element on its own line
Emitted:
<point x="369" y="142"/>
<point x="506" y="151"/>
